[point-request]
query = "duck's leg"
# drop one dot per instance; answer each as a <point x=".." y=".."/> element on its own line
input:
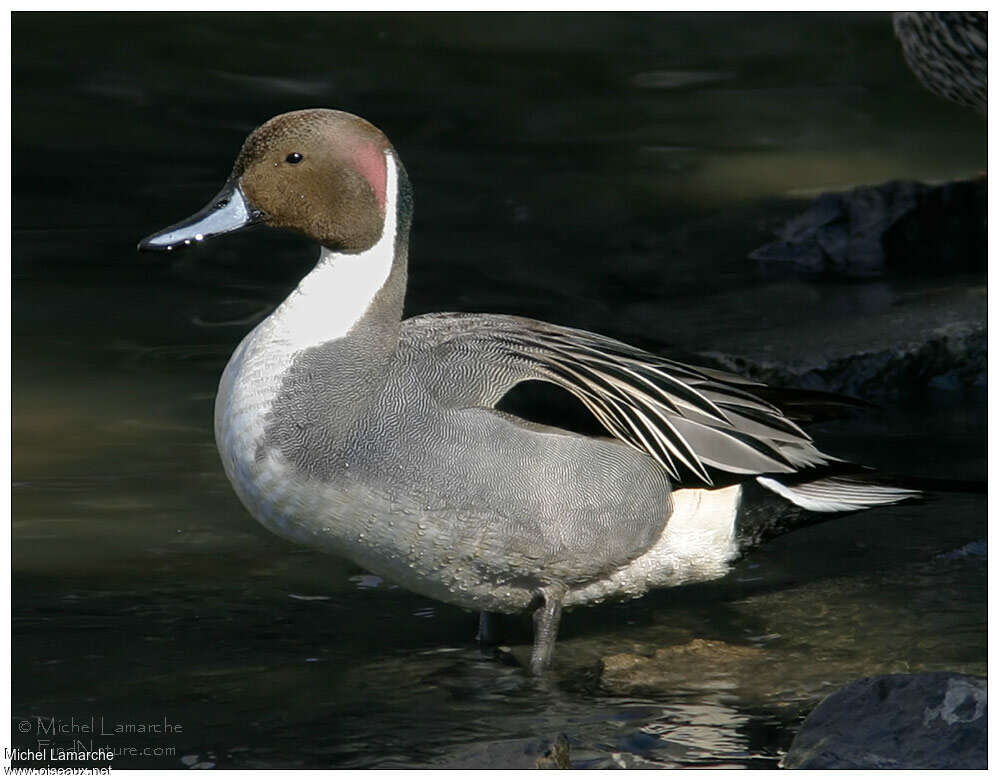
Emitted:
<point x="546" y="619"/>
<point x="489" y="629"/>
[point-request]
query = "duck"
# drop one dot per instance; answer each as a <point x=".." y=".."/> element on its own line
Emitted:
<point x="346" y="428"/>
<point x="949" y="53"/>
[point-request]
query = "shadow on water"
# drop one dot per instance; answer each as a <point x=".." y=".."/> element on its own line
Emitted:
<point x="609" y="172"/>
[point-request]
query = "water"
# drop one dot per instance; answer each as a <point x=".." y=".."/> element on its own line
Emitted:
<point x="606" y="172"/>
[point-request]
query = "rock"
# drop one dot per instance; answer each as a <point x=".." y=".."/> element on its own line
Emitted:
<point x="944" y="234"/>
<point x="557" y="755"/>
<point x="534" y="754"/>
<point x="936" y="338"/>
<point x="929" y="721"/>
<point x="904" y="227"/>
<point x="667" y="666"/>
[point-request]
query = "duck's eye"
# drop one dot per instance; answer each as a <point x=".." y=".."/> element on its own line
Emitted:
<point x="294" y="157"/>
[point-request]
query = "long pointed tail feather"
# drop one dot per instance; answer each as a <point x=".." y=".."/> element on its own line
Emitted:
<point x="840" y="493"/>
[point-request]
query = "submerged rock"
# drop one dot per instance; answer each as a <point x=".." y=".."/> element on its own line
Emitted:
<point x="903" y="227"/>
<point x="625" y="760"/>
<point x="929" y="721"/>
<point x="534" y="754"/>
<point x="668" y="666"/>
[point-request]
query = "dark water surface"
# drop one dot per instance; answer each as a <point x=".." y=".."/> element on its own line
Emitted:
<point x="609" y="172"/>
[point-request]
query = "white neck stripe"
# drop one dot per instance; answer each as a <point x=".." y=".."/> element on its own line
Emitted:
<point x="336" y="294"/>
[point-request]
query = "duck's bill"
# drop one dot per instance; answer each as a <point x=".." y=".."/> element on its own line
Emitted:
<point x="226" y="212"/>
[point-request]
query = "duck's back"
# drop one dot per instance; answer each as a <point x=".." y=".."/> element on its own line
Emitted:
<point x="528" y="503"/>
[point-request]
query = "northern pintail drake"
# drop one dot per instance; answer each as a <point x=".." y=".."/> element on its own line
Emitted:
<point x="344" y="427"/>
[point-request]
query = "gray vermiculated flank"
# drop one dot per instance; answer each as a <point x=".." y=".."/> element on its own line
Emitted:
<point x="518" y="502"/>
<point x="366" y="410"/>
<point x="538" y="504"/>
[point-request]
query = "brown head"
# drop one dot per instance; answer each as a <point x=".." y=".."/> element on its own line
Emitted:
<point x="318" y="172"/>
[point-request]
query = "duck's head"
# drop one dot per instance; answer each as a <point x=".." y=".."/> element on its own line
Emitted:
<point x="318" y="172"/>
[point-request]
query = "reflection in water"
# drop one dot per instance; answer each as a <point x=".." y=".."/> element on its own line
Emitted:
<point x="646" y="156"/>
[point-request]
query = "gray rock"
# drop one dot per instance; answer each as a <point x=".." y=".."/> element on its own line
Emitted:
<point x="534" y="754"/>
<point x="909" y="227"/>
<point x="930" y="721"/>
<point x="935" y="338"/>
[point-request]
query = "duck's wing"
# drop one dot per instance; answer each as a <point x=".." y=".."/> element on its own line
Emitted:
<point x="690" y="419"/>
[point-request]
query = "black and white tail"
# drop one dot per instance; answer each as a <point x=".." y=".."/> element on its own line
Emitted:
<point x="716" y="434"/>
<point x="773" y="505"/>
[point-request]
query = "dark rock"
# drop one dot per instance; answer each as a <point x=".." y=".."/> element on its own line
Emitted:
<point x="903" y="227"/>
<point x="936" y="339"/>
<point x="928" y="721"/>
<point x="533" y="754"/>
<point x="944" y="233"/>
